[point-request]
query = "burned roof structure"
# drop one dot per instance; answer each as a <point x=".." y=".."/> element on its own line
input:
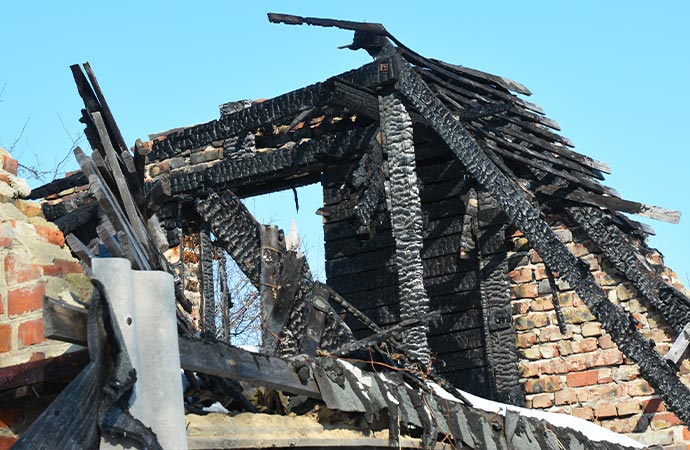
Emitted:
<point x="426" y="168"/>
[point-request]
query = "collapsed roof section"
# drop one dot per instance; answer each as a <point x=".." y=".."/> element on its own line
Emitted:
<point x="367" y="132"/>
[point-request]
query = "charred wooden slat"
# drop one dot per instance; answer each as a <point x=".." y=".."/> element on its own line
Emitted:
<point x="652" y="366"/>
<point x="393" y="332"/>
<point x="245" y="120"/>
<point x="503" y="143"/>
<point x="112" y="209"/>
<point x="544" y="142"/>
<point x="611" y="203"/>
<point x="58" y="185"/>
<point x="433" y="246"/>
<point x="79" y="249"/>
<point x="505" y="83"/>
<point x="546" y="167"/>
<point x="125" y="197"/>
<point x="75" y="219"/>
<point x="235" y="229"/>
<point x="517" y="112"/>
<point x="363" y="283"/>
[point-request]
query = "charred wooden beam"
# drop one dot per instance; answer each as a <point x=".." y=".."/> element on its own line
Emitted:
<point x="497" y="311"/>
<point x="247" y="119"/>
<point x="406" y="219"/>
<point x="235" y="229"/>
<point x="212" y="358"/>
<point x="265" y="171"/>
<point x="652" y="366"/>
<point x="219" y="359"/>
<point x="317" y="319"/>
<point x="59" y="185"/>
<point x="208" y="295"/>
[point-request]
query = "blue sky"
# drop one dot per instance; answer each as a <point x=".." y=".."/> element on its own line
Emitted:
<point x="615" y="75"/>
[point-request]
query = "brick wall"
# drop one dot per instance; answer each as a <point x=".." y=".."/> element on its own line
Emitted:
<point x="582" y="372"/>
<point x="35" y="262"/>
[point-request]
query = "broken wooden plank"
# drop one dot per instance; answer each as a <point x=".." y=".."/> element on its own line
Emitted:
<point x="223" y="360"/>
<point x="612" y="203"/>
<point x="64" y="322"/>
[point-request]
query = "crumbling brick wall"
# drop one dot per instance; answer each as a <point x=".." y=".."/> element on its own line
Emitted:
<point x="35" y="262"/>
<point x="582" y="372"/>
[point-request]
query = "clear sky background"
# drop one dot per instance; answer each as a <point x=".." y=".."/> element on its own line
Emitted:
<point x="615" y="75"/>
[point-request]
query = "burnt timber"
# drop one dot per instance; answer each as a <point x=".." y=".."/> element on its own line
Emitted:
<point x="423" y="165"/>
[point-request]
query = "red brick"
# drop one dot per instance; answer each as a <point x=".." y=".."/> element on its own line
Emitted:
<point x="543" y="384"/>
<point x="31" y="332"/>
<point x="628" y="408"/>
<point x="605" y="410"/>
<point x="51" y="270"/>
<point x="50" y="234"/>
<point x="605" y="376"/>
<point x="542" y="401"/>
<point x="28" y="208"/>
<point x="586" y="413"/>
<point x="605" y="342"/>
<point x="654" y="405"/>
<point x="542" y="304"/>
<point x="5" y="338"/>
<point x="10" y="164"/>
<point x="610" y="357"/>
<point x="591" y="329"/>
<point x="618" y="425"/>
<point x="69" y="266"/>
<point x="552" y="333"/>
<point x="6" y="442"/>
<point x="530" y="321"/>
<point x="521" y="275"/>
<point x="525" y="340"/>
<point x="520" y="307"/>
<point x="566" y="397"/>
<point x="576" y="363"/>
<point x="17" y="272"/>
<point x="664" y="420"/>
<point x="638" y="388"/>
<point x="26" y="299"/>
<point x="549" y="351"/>
<point x="585" y="345"/>
<point x="5" y="242"/>
<point x="4" y="178"/>
<point x="577" y="379"/>
<point x="530" y="290"/>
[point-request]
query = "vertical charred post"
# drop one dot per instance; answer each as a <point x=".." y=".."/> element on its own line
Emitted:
<point x="496" y="307"/>
<point x="225" y="298"/>
<point x="406" y="219"/>
<point x="208" y="301"/>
